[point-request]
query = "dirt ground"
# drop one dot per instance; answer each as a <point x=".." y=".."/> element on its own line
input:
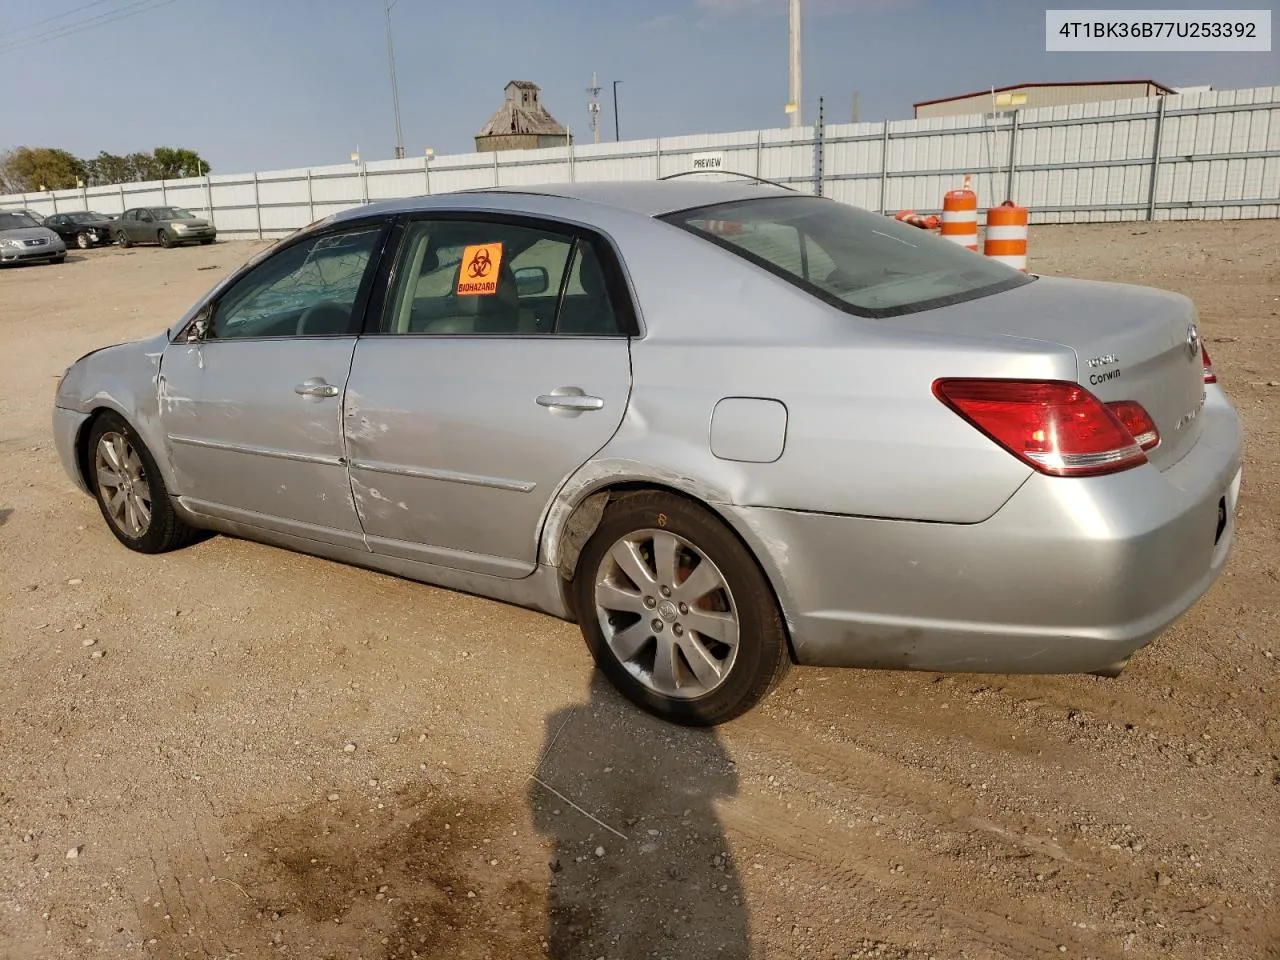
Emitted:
<point x="234" y="751"/>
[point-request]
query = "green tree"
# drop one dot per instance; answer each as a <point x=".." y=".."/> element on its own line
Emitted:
<point x="27" y="169"/>
<point x="142" y="166"/>
<point x="174" y="162"/>
<point x="107" y="168"/>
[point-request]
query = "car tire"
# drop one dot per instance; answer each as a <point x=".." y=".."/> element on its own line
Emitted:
<point x="205" y="243"/>
<point x="60" y="258"/>
<point x="123" y="240"/>
<point x="166" y="241"/>
<point x="120" y="463"/>
<point x="83" y="240"/>
<point x="644" y="632"/>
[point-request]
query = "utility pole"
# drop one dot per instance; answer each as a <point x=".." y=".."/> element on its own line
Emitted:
<point x="615" y="110"/>
<point x="395" y="92"/>
<point x="857" y="106"/>
<point x="794" y="93"/>
<point x="593" y="108"/>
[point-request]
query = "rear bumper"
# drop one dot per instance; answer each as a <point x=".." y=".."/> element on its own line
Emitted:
<point x="1069" y="576"/>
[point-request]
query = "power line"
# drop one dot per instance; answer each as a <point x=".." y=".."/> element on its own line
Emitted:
<point x="121" y="13"/>
<point x="57" y="16"/>
<point x="101" y="19"/>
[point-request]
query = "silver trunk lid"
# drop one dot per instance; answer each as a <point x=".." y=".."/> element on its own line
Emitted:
<point x="1131" y="343"/>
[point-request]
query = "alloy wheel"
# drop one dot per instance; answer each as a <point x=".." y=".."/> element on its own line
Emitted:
<point x="667" y="613"/>
<point x="122" y="484"/>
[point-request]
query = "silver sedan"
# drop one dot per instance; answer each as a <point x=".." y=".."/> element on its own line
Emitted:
<point x="724" y="427"/>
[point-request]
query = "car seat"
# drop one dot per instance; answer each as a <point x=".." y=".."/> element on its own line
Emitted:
<point x="491" y="313"/>
<point x="589" y="313"/>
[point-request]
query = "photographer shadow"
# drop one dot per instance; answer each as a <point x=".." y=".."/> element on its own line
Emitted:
<point x="639" y="865"/>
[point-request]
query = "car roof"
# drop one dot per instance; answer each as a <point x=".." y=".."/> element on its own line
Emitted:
<point x="650" y="198"/>
<point x="653" y="198"/>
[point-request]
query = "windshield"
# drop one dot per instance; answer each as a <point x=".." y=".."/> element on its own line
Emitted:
<point x="172" y="213"/>
<point x="16" y="221"/>
<point x="856" y="260"/>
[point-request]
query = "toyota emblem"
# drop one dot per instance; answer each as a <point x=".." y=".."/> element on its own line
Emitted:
<point x="1193" y="340"/>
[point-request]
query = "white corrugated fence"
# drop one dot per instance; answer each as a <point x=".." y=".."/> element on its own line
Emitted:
<point x="1211" y="155"/>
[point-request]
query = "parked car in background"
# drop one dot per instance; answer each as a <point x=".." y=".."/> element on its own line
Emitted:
<point x="37" y="217"/>
<point x="84" y="228"/>
<point x="722" y="426"/>
<point x="167" y="226"/>
<point x="23" y="240"/>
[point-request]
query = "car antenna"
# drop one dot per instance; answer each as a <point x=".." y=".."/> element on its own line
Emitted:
<point x="730" y="173"/>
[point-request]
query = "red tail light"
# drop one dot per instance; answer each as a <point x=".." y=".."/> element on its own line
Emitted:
<point x="1137" y="421"/>
<point x="1209" y="375"/>
<point x="1056" y="427"/>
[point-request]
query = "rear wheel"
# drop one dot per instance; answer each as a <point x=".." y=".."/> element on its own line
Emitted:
<point x="130" y="491"/>
<point x="677" y="613"/>
<point x="123" y="240"/>
<point x="83" y="240"/>
<point x="166" y="241"/>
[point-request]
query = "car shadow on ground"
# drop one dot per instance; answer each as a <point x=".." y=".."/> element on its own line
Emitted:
<point x="627" y="858"/>
<point x="641" y="866"/>
<point x="5" y="514"/>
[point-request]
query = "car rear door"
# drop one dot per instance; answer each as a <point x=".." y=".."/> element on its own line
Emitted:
<point x="499" y="365"/>
<point x="252" y="412"/>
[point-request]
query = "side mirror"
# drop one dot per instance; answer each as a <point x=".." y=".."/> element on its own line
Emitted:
<point x="532" y="281"/>
<point x="198" y="330"/>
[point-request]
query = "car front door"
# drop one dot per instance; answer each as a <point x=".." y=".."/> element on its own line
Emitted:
<point x="499" y="365"/>
<point x="252" y="410"/>
<point x="144" y="228"/>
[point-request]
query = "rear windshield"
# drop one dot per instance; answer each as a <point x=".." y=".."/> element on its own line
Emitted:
<point x="861" y="262"/>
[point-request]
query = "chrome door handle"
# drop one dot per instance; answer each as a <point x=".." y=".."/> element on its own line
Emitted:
<point x="316" y="387"/>
<point x="570" y="401"/>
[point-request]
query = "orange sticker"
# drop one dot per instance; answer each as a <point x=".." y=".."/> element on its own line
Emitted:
<point x="479" y="273"/>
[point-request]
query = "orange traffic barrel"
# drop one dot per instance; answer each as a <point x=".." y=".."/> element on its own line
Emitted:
<point x="960" y="216"/>
<point x="1006" y="235"/>
<point x="929" y="222"/>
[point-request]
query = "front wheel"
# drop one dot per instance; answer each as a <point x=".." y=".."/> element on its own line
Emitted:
<point x="83" y="240"/>
<point x="166" y="241"/>
<point x="205" y="243"/>
<point x="677" y="613"/>
<point x="130" y="491"/>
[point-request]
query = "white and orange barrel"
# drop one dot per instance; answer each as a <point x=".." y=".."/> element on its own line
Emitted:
<point x="1006" y="235"/>
<point x="929" y="222"/>
<point x="960" y="216"/>
<point x="723" y="228"/>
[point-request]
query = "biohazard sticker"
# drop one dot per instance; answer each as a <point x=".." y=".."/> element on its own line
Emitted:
<point x="479" y="274"/>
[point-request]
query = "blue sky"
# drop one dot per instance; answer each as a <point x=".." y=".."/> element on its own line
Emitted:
<point x="282" y="83"/>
